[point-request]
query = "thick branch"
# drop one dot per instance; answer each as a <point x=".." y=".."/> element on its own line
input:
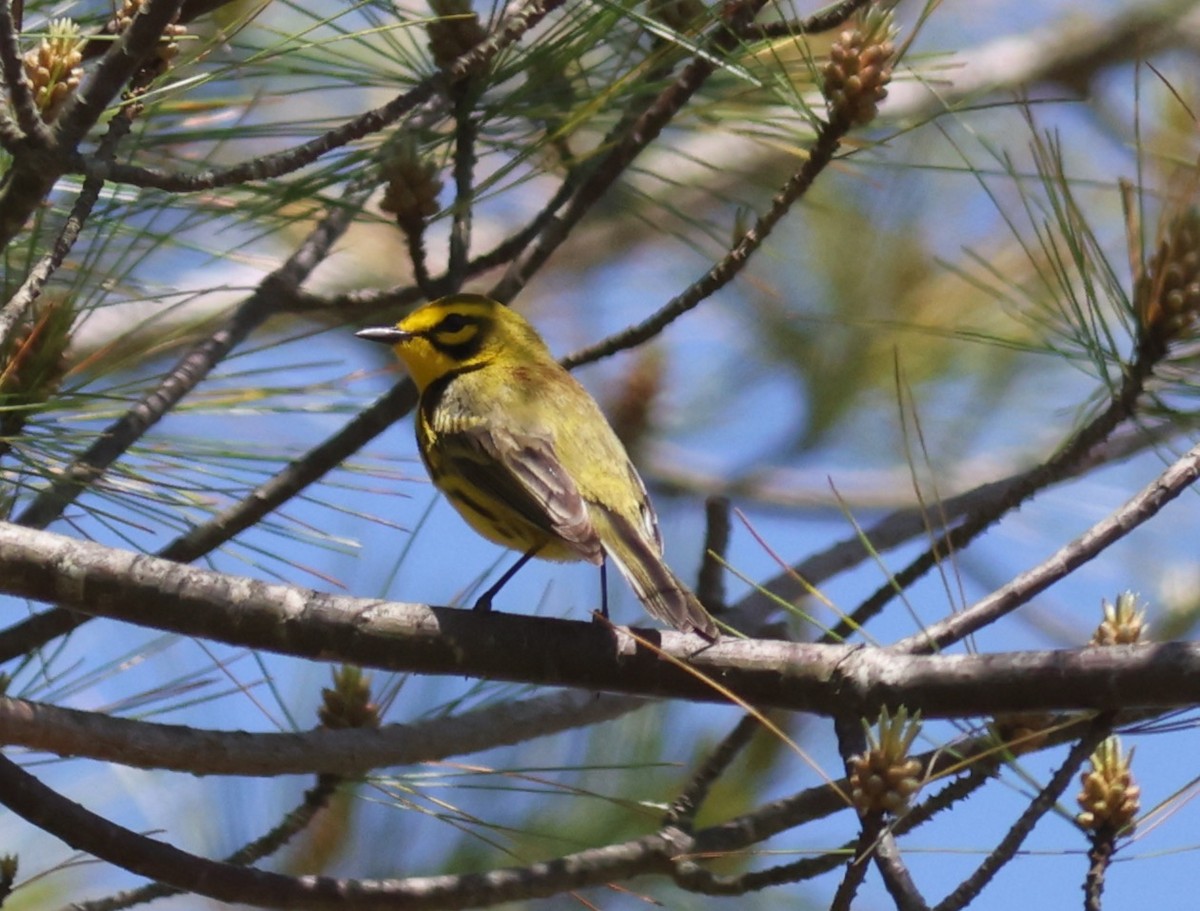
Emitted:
<point x="409" y="637"/>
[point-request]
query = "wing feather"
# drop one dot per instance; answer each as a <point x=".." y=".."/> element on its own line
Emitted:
<point x="524" y="473"/>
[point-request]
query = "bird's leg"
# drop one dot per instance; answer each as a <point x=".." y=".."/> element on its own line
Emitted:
<point x="484" y="603"/>
<point x="604" y="589"/>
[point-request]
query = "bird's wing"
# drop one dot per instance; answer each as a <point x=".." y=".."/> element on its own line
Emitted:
<point x="524" y="473"/>
<point x="646" y="517"/>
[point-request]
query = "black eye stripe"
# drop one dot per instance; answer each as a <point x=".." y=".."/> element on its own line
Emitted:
<point x="453" y="335"/>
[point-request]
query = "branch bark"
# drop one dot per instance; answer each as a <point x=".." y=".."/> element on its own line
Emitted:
<point x="348" y="753"/>
<point x="444" y="641"/>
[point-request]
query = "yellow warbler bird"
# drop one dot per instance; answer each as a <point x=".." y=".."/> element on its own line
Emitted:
<point x="525" y="454"/>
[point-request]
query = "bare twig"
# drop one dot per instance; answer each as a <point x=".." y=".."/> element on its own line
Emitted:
<point x="1100" y="854"/>
<point x="1060" y="465"/>
<point x="895" y="874"/>
<point x="856" y="863"/>
<point x="464" y="175"/>
<point x="683" y="810"/>
<point x="820" y="154"/>
<point x="414" y="237"/>
<point x="822" y="21"/>
<point x="710" y="588"/>
<point x="1143" y="506"/>
<point x="852" y="740"/>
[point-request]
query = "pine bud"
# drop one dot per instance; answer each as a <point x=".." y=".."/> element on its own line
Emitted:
<point x="1123" y="623"/>
<point x="1022" y="732"/>
<point x="884" y="778"/>
<point x="1167" y="292"/>
<point x="8" y="874"/>
<point x="55" y="66"/>
<point x="168" y="45"/>
<point x="454" y="32"/>
<point x="1109" y="799"/>
<point x="678" y="15"/>
<point x="631" y="412"/>
<point x="33" y="363"/>
<point x="412" y="185"/>
<point x="348" y="703"/>
<point x="860" y="67"/>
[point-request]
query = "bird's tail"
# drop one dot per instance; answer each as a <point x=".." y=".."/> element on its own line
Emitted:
<point x="659" y="590"/>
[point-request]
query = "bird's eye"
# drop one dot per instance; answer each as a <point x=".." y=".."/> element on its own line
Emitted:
<point x="452" y="323"/>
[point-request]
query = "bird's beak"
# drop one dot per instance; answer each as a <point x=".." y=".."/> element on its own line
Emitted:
<point x="389" y="335"/>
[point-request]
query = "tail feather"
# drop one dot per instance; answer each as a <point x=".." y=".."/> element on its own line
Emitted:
<point x="659" y="589"/>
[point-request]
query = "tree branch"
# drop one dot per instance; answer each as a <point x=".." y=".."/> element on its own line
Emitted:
<point x="20" y="94"/>
<point x="1038" y="807"/>
<point x="193" y="367"/>
<point x="18" y="306"/>
<point x="640" y="133"/>
<point x="315" y="799"/>
<point x="276" y="165"/>
<point x="1143" y="506"/>
<point x="85" y="831"/>
<point x="348" y="753"/>
<point x="162" y="595"/>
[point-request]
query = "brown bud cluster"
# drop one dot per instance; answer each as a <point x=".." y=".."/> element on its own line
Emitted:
<point x="1167" y="292"/>
<point x="411" y="186"/>
<point x="8" y="874"/>
<point x="884" y="778"/>
<point x="1022" y="732"/>
<point x="860" y="68"/>
<point x="1123" y="622"/>
<point x="55" y="66"/>
<point x="631" y="413"/>
<point x="678" y="15"/>
<point x="168" y="45"/>
<point x="33" y="364"/>
<point x="347" y="704"/>
<point x="454" y="32"/>
<point x="1109" y="800"/>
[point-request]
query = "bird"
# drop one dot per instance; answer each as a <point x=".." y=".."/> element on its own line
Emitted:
<point x="525" y="455"/>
